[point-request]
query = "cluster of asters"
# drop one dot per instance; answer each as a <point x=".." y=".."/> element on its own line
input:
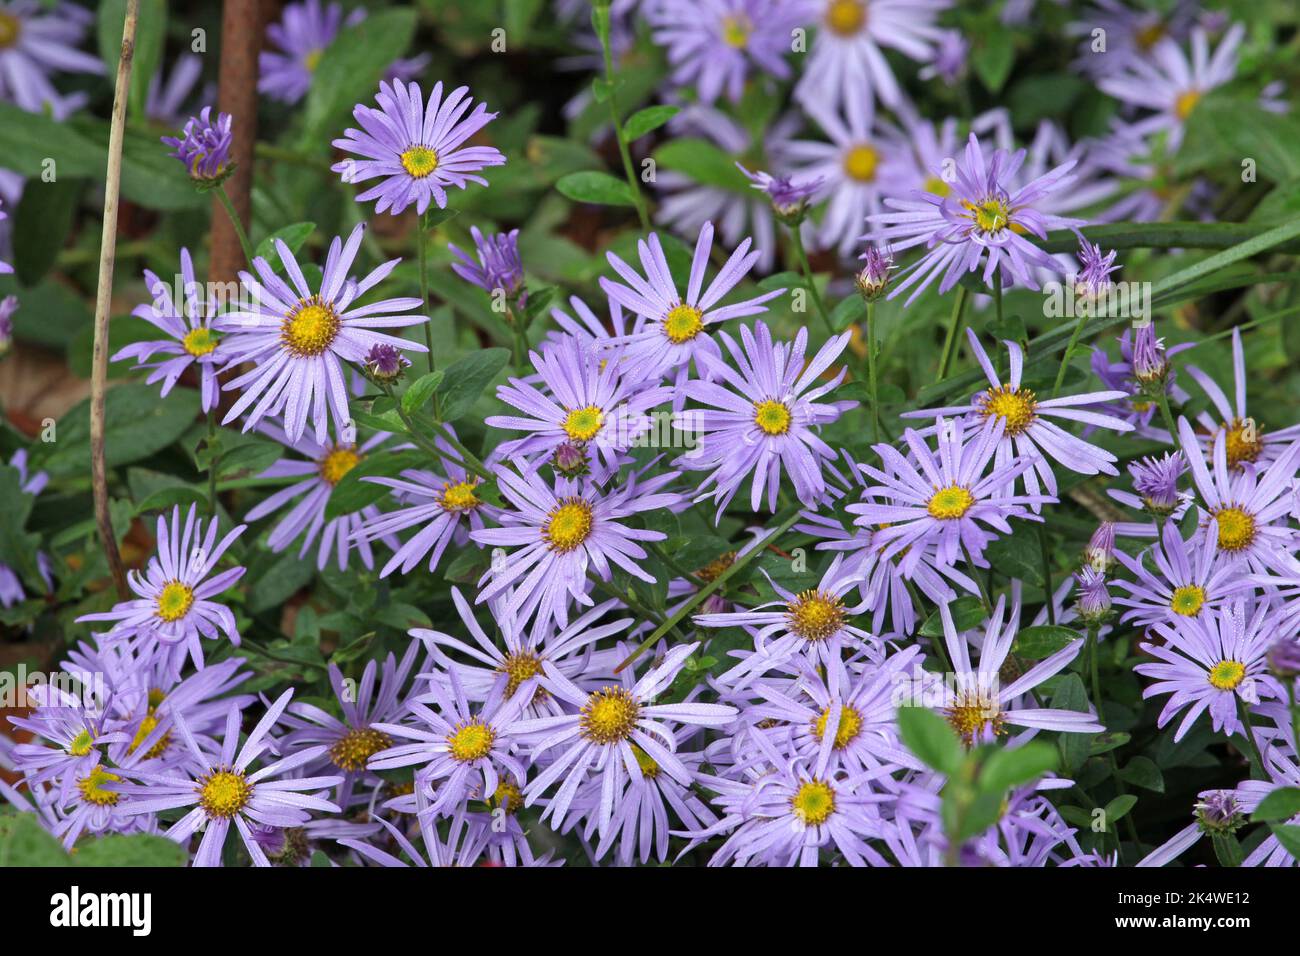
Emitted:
<point x="570" y="712"/>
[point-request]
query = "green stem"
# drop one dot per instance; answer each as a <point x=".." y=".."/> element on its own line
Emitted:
<point x="657" y="550"/>
<point x="212" y="463"/>
<point x="421" y="243"/>
<point x="234" y="221"/>
<point x="1256" y="761"/>
<point x="520" y="338"/>
<point x="703" y="593"/>
<point x="1047" y="572"/>
<point x="1094" y="671"/>
<point x="600" y="20"/>
<point x="1065" y="359"/>
<point x="871" y="371"/>
<point x="1162" y="399"/>
<point x="954" y="329"/>
<point x="796" y="240"/>
<point x="997" y="294"/>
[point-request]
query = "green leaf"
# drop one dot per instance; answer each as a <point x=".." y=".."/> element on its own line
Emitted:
<point x="1288" y="834"/>
<point x="27" y="140"/>
<point x="595" y="187"/>
<point x="1044" y="640"/>
<point x="1143" y="772"/>
<point x="703" y="162"/>
<point x="421" y="391"/>
<point x="17" y="547"/>
<point x="967" y="612"/>
<point x="276" y="578"/>
<point x="352" y="494"/>
<point x="137" y="424"/>
<point x="648" y="120"/>
<point x="849" y="310"/>
<point x="24" y="842"/>
<point x="43" y="220"/>
<point x="1119" y="807"/>
<point x="350" y="69"/>
<point x="992" y="58"/>
<point x="150" y="30"/>
<point x="930" y="737"/>
<point x="466" y="379"/>
<point x="292" y="236"/>
<point x="164" y="499"/>
<point x="1282" y="804"/>
<point x="1075" y="748"/>
<point x="1018" y="556"/>
<point x="1007" y="768"/>
<point x="138" y="849"/>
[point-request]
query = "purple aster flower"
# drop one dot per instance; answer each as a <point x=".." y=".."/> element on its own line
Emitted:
<point x="498" y="267"/>
<point x="981" y="213"/>
<point x="715" y="44"/>
<point x="174" y="603"/>
<point x="1131" y="34"/>
<point x="816" y="624"/>
<point x="447" y="508"/>
<point x="949" y="500"/>
<point x="1171" y="85"/>
<point x="1156" y="480"/>
<point x="416" y="148"/>
<point x="165" y="99"/>
<point x="204" y="146"/>
<point x="788" y="196"/>
<point x="194" y="329"/>
<point x="67" y="743"/>
<point x="1028" y="430"/>
<point x="1191" y="577"/>
<point x="598" y="737"/>
<point x="1208" y="662"/>
<point x="38" y="40"/>
<point x="847" y="65"/>
<point x="222" y="790"/>
<point x="1093" y="277"/>
<point x="767" y="421"/>
<point x="320" y="468"/>
<point x="298" y="339"/>
<point x="976" y="704"/>
<point x="1100" y="553"/>
<point x="561" y="535"/>
<point x="873" y="277"/>
<point x="949" y="62"/>
<point x="11" y="585"/>
<point x="1250" y="507"/>
<point x="1284" y="657"/>
<point x="586" y="401"/>
<point x="1247" y="439"/>
<point x="1094" y="596"/>
<point x="295" y="46"/>
<point x="1140" y="379"/>
<point x="676" y="327"/>
<point x="385" y="362"/>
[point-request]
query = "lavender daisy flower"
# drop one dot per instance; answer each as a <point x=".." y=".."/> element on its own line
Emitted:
<point x="1208" y="662"/>
<point x="204" y="146"/>
<point x="675" y="330"/>
<point x="950" y="500"/>
<point x="195" y="330"/>
<point x="586" y="402"/>
<point x="347" y="744"/>
<point x="386" y="363"/>
<point x="873" y="278"/>
<point x="1095" y="267"/>
<point x="976" y="704"/>
<point x="1250" y="508"/>
<point x="222" y="791"/>
<point x="1246" y="438"/>
<point x="67" y="740"/>
<point x="981" y="213"/>
<point x="1028" y="430"/>
<point x="562" y="534"/>
<point x="950" y="55"/>
<point x="1193" y="577"/>
<point x="847" y="65"/>
<point x="497" y="268"/>
<point x="299" y="339"/>
<point x="320" y="469"/>
<point x="598" y="738"/>
<point x="788" y="196"/>
<point x="295" y="46"/>
<point x="1093" y="605"/>
<point x="1156" y="482"/>
<point x="38" y="40"/>
<point x="447" y="508"/>
<point x="1170" y="84"/>
<point x="1131" y="35"/>
<point x="174" y="603"/>
<point x="768" y="422"/>
<point x="816" y="624"/>
<point x="416" y="148"/>
<point x="715" y="44"/>
<point x="1143" y="368"/>
<point x="1216" y="812"/>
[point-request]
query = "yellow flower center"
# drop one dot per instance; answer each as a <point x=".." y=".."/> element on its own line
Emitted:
<point x="519" y="667"/>
<point x="338" y="461"/>
<point x="846" y="17"/>
<point x="1149" y="35"/>
<point x="175" y="601"/>
<point x="972" y="714"/>
<point x="311" y="328"/>
<point x="92" y="789"/>
<point x="849" y="728"/>
<point x="200" y="341"/>
<point x="1187" y="600"/>
<point x="1243" y="441"/>
<point x="224" y="793"/>
<point x="1185" y="103"/>
<point x="860" y="163"/>
<point x="148" y="726"/>
<point x="949" y="503"/>
<point x="1236" y="529"/>
<point x="991" y="216"/>
<point x="312" y="60"/>
<point x="937" y="185"/>
<point x="1014" y="405"/>
<point x="459" y="497"/>
<point x="715" y="567"/>
<point x="10" y="26"/>
<point x="609" y="715"/>
<point x="736" y="30"/>
<point x="419" y="161"/>
<point x="582" y="424"/>
<point x="508" y="796"/>
<point x="815" y="615"/>
<point x="772" y="418"/>
<point x="351" y="752"/>
<point x="813" y="802"/>
<point x="81" y="744"/>
<point x="1226" y="675"/>
<point x="568" y="525"/>
<point x="683" y="323"/>
<point x="470" y="741"/>
<point x="649" y="768"/>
